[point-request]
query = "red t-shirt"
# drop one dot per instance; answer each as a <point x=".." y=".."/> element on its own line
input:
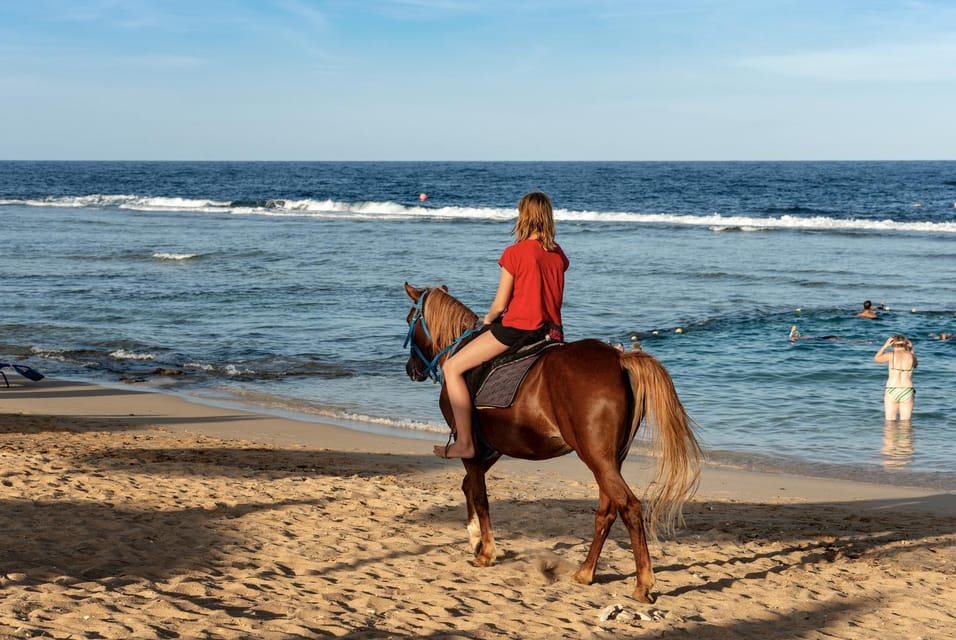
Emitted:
<point x="539" y="284"/>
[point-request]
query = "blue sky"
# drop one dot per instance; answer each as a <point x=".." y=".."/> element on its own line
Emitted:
<point x="477" y="79"/>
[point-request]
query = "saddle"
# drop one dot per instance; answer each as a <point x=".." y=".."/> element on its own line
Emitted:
<point x="494" y="385"/>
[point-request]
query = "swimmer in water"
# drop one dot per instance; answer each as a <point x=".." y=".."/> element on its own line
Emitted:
<point x="899" y="393"/>
<point x="868" y="311"/>
<point x="796" y="335"/>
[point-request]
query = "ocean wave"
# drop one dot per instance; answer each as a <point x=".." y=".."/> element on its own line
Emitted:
<point x="77" y="357"/>
<point x="328" y="208"/>
<point x="173" y="204"/>
<point x="201" y="366"/>
<point x="123" y="354"/>
<point x="72" y="202"/>
<point x="727" y="228"/>
<point x="175" y="256"/>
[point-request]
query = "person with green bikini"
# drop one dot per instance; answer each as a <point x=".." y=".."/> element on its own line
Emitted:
<point x="900" y="393"/>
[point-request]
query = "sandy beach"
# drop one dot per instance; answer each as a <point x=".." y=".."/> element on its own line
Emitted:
<point x="141" y="515"/>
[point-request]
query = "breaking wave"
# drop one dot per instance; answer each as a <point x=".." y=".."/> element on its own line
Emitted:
<point x="312" y="208"/>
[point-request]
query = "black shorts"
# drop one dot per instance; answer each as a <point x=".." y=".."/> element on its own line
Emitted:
<point x="509" y="336"/>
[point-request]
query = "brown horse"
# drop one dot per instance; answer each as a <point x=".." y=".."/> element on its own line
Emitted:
<point x="586" y="397"/>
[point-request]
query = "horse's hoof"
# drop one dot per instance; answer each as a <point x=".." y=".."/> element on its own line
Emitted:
<point x="484" y="560"/>
<point x="644" y="595"/>
<point x="582" y="577"/>
<point x="484" y="556"/>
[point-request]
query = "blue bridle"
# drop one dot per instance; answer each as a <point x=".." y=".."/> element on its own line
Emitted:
<point x="432" y="368"/>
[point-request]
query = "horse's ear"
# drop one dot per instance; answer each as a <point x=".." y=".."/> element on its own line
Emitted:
<point x="412" y="292"/>
<point x="444" y="288"/>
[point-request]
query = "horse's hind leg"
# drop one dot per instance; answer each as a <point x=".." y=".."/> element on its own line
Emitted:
<point x="604" y="517"/>
<point x="479" y="519"/>
<point x="620" y="498"/>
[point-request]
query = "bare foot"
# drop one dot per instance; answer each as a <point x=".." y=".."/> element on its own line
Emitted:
<point x="455" y="450"/>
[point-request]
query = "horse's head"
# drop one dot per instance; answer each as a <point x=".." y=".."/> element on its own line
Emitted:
<point x="437" y="322"/>
<point x="419" y="338"/>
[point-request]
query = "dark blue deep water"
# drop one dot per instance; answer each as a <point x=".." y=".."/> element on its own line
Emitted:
<point x="280" y="285"/>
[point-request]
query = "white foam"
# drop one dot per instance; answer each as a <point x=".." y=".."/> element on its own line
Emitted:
<point x="394" y="210"/>
<point x="123" y="354"/>
<point x="173" y="204"/>
<point x="75" y="202"/>
<point x="175" y="256"/>
<point x="59" y="355"/>
<point x="198" y="365"/>
<point x="233" y="370"/>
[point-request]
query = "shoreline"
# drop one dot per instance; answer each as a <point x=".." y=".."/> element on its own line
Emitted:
<point x="893" y="471"/>
<point x="140" y="514"/>
<point x="890" y="466"/>
<point x="234" y="421"/>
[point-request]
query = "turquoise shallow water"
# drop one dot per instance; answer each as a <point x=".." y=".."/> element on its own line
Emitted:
<point x="280" y="285"/>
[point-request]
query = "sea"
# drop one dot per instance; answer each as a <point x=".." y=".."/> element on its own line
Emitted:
<point x="279" y="286"/>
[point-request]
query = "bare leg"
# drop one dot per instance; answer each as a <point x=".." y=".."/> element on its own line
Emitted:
<point x="481" y="349"/>
<point x="906" y="410"/>
<point x="890" y="406"/>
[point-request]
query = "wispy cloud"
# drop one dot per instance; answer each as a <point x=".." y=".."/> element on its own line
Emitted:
<point x="431" y="9"/>
<point x="306" y="13"/>
<point x="132" y="14"/>
<point x="440" y="5"/>
<point x="300" y="25"/>
<point x="917" y="62"/>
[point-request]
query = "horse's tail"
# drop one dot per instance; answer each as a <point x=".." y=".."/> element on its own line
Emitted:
<point x="678" y="468"/>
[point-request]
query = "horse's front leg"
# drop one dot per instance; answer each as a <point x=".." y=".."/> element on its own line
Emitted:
<point x="479" y="520"/>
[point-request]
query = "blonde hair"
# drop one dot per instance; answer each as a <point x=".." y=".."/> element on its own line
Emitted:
<point x="535" y="218"/>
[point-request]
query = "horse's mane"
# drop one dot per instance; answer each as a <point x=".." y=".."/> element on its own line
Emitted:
<point x="447" y="318"/>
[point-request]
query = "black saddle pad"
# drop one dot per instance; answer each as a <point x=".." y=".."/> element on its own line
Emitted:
<point x="495" y="384"/>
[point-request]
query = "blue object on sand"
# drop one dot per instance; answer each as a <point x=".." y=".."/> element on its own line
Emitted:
<point x="23" y="370"/>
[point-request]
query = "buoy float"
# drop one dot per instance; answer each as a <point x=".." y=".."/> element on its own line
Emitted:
<point x="423" y="196"/>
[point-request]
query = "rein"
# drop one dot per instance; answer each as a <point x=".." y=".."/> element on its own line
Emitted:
<point x="432" y="366"/>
